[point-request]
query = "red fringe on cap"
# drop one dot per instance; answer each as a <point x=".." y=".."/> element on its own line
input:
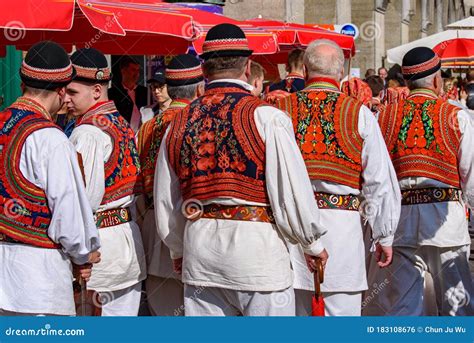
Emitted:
<point x="53" y="75"/>
<point x="225" y="44"/>
<point x="184" y="74"/>
<point x="419" y="68"/>
<point x="92" y="73"/>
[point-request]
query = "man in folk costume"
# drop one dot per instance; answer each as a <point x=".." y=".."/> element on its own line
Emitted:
<point x="295" y="80"/>
<point x="111" y="164"/>
<point x="430" y="142"/>
<point x="46" y="221"/>
<point x="185" y="83"/>
<point x="231" y="186"/>
<point x="346" y="159"/>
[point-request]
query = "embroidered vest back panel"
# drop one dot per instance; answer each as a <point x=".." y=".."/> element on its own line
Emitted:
<point x="423" y="138"/>
<point x="24" y="213"/>
<point x="149" y="141"/>
<point x="326" y="129"/>
<point x="215" y="149"/>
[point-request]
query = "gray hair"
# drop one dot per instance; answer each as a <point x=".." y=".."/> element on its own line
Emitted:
<point x="184" y="92"/>
<point x="424" y="82"/>
<point x="323" y="62"/>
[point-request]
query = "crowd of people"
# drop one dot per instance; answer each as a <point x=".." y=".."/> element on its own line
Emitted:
<point x="225" y="195"/>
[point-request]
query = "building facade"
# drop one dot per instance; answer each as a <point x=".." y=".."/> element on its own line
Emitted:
<point x="383" y="24"/>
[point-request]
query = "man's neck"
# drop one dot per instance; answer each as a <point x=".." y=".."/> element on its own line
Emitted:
<point x="45" y="102"/>
<point x="227" y="77"/>
<point x="318" y="76"/>
<point x="129" y="85"/>
<point x="165" y="104"/>
<point x="297" y="72"/>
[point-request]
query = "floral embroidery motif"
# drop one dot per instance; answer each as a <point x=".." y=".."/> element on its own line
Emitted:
<point x="326" y="131"/>
<point x="24" y="211"/>
<point x="215" y="147"/>
<point x="122" y="170"/>
<point x="422" y="136"/>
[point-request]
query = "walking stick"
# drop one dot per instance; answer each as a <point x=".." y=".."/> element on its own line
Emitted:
<point x="82" y="282"/>
<point x="89" y="301"/>
<point x="318" y="301"/>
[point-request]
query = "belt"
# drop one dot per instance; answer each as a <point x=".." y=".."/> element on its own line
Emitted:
<point x="8" y="239"/>
<point x="244" y="213"/>
<point x="112" y="217"/>
<point x="430" y="195"/>
<point x="337" y="202"/>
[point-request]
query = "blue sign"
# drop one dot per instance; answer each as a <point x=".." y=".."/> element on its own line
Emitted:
<point x="350" y="30"/>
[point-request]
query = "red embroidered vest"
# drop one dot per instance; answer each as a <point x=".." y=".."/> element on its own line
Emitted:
<point x="326" y="128"/>
<point x="275" y="96"/>
<point x="149" y="141"/>
<point x="122" y="170"/>
<point x="24" y="213"/>
<point x="215" y="149"/>
<point x="422" y="135"/>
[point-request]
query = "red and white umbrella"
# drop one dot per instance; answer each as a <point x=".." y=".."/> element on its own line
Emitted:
<point x="261" y="41"/>
<point x="293" y="35"/>
<point x="119" y="27"/>
<point x="458" y="52"/>
<point x="113" y="26"/>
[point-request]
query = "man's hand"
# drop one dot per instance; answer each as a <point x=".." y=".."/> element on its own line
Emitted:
<point x="311" y="260"/>
<point x="383" y="255"/>
<point x="94" y="257"/>
<point x="82" y="272"/>
<point x="178" y="265"/>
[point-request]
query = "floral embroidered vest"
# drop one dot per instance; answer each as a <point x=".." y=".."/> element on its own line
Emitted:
<point x="24" y="213"/>
<point x="122" y="170"/>
<point x="149" y="141"/>
<point x="326" y="127"/>
<point x="215" y="149"/>
<point x="422" y="135"/>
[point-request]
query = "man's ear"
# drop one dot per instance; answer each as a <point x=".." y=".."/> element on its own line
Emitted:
<point x="248" y="69"/>
<point x="200" y="90"/>
<point x="61" y="91"/>
<point x="438" y="82"/>
<point x="97" y="91"/>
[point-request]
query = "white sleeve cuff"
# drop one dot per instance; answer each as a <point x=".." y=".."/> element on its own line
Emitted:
<point x="80" y="260"/>
<point x="175" y="255"/>
<point x="386" y="241"/>
<point x="314" y="249"/>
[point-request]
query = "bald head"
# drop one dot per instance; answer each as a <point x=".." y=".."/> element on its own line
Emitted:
<point x="324" y="58"/>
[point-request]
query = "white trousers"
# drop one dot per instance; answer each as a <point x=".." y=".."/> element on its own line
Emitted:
<point x="124" y="302"/>
<point x="335" y="303"/>
<point x="24" y="314"/>
<point x="399" y="289"/>
<point x="165" y="296"/>
<point x="212" y="301"/>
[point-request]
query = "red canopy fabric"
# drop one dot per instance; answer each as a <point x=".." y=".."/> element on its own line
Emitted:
<point x="132" y="27"/>
<point x="115" y="27"/>
<point x="293" y="35"/>
<point x="262" y="42"/>
<point x="457" y="52"/>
